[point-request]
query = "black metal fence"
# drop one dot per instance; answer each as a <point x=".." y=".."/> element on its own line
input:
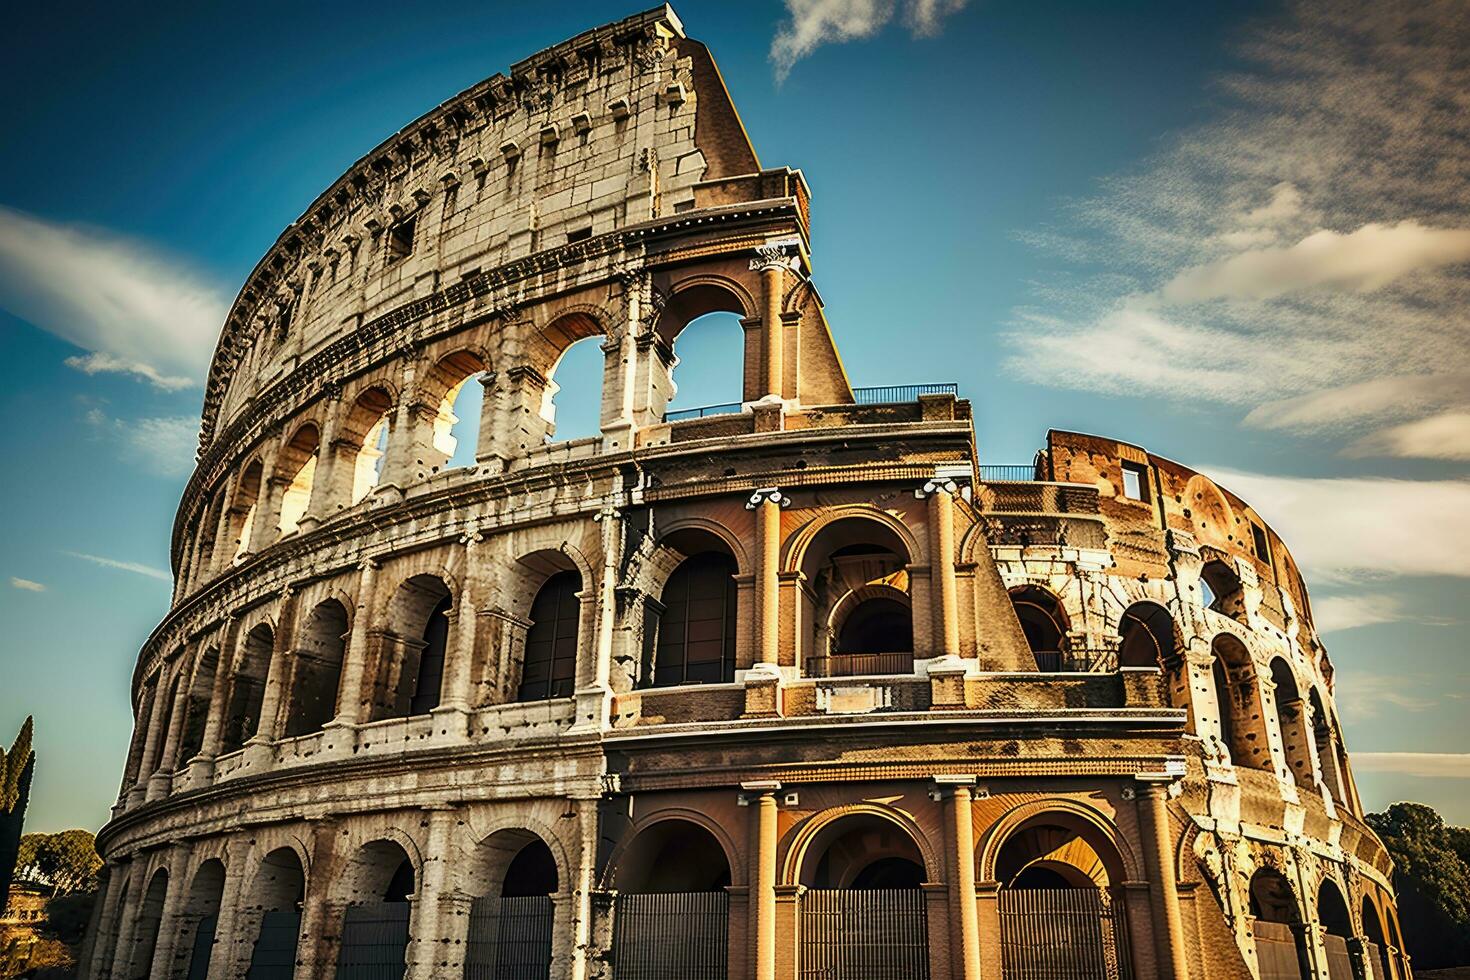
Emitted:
<point x="274" y="956"/>
<point x="1008" y="473"/>
<point x="673" y="936"/>
<point x="1277" y="953"/>
<point x="374" y="942"/>
<point x="897" y="394"/>
<point x="855" y="664"/>
<point x="1063" y="934"/>
<point x="728" y="408"/>
<point x="882" y="934"/>
<point x="203" y="948"/>
<point x="510" y="939"/>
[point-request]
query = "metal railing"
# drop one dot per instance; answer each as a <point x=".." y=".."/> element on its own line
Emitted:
<point x="671" y="936"/>
<point x="879" y="934"/>
<point x="896" y="394"/>
<point x="509" y="939"/>
<point x="857" y="664"/>
<point x="1062" y="933"/>
<point x="374" y="941"/>
<point x="1009" y="473"/>
<point x="729" y="408"/>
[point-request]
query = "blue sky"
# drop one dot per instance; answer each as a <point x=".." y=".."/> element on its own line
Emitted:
<point x="1236" y="234"/>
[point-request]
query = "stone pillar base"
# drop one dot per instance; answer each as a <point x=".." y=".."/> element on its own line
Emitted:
<point x="594" y="707"/>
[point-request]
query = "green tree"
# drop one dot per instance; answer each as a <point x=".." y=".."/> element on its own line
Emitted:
<point x="68" y="861"/>
<point x="16" y="769"/>
<point x="1432" y="878"/>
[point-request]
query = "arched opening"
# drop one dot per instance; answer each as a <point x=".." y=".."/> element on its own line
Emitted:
<point x="204" y="548"/>
<point x="1332" y="913"/>
<point x="514" y="877"/>
<point x="709" y="366"/>
<point x="1044" y="623"/>
<point x="316" y="669"/>
<point x="550" y="666"/>
<point x="243" y="510"/>
<point x="147" y="925"/>
<point x="1323" y="734"/>
<point x="1376" y="940"/>
<point x="672" y="911"/>
<point x="1061" y="908"/>
<point x="571" y="405"/>
<point x="160" y="741"/>
<point x="453" y="388"/>
<point x="273" y="914"/>
<point x="196" y="705"/>
<point x="1291" y="723"/>
<point x="1146" y="637"/>
<point x="1280" y="941"/>
<point x="199" y="918"/>
<point x="297" y="466"/>
<point x="693" y="624"/>
<point x="1244" y="734"/>
<point x="381" y="879"/>
<point x="247" y="689"/>
<point x="863" y="912"/>
<point x="413" y="648"/>
<point x="364" y="440"/>
<point x="857" y="609"/>
<point x="1222" y="591"/>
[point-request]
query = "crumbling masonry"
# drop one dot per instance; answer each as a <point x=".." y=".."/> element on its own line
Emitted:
<point x="791" y="688"/>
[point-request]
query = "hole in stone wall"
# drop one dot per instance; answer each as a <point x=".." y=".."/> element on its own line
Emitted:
<point x="574" y="392"/>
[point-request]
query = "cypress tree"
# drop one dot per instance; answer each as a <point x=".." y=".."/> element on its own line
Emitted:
<point x="16" y="768"/>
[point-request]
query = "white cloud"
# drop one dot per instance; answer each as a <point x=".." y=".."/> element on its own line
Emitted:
<point x="1302" y="255"/>
<point x="1432" y="765"/>
<point x="1351" y="527"/>
<point x="136" y="568"/>
<point x="1345" y="612"/>
<point x="163" y="446"/>
<point x="814" y="23"/>
<point x="1362" y="696"/>
<point x="1443" y="436"/>
<point x="26" y="584"/>
<point x="1364" y="260"/>
<point x="131" y="309"/>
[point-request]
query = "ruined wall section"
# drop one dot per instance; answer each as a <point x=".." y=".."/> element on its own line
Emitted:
<point x="592" y="135"/>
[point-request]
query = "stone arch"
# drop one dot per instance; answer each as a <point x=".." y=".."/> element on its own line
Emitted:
<point x="316" y="666"/>
<point x="413" y="645"/>
<point x="1291" y="723"/>
<point x="369" y="868"/>
<point x="694" y="296"/>
<point x="247" y="686"/>
<point x="148" y="924"/>
<point x="1272" y="897"/>
<point x="634" y="865"/>
<point x="690" y="629"/>
<point x="878" y="600"/>
<point x="1045" y="625"/>
<point x="196" y="702"/>
<point x="1222" y="590"/>
<point x="245" y="500"/>
<point x="520" y="825"/>
<point x="1332" y="909"/>
<point x="1147" y="636"/>
<point x="558" y="616"/>
<point x="797" y="546"/>
<point x="514" y="862"/>
<point x="198" y="917"/>
<point x="691" y="528"/>
<point x="362" y="437"/>
<point x="438" y="392"/>
<point x="819" y="830"/>
<point x="1092" y="825"/>
<point x="296" y="466"/>
<point x="1242" y="721"/>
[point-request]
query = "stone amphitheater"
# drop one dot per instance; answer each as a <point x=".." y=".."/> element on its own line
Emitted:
<point x="787" y="688"/>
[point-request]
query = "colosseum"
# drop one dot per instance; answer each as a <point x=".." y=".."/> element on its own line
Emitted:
<point x="787" y="689"/>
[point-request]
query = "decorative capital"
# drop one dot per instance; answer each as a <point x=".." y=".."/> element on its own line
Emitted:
<point x="937" y="484"/>
<point x="773" y="494"/>
<point x="784" y="253"/>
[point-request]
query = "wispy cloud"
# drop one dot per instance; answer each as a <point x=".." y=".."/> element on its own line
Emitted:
<point x="813" y="23"/>
<point x="1367" y="695"/>
<point x="1336" y="613"/>
<point x="26" y="585"/>
<point x="1307" y="245"/>
<point x="1347" y="528"/>
<point x="131" y="309"/>
<point x="1431" y="765"/>
<point x="163" y="446"/>
<point x="123" y="566"/>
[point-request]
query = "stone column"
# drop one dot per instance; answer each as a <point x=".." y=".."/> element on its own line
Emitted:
<point x="772" y="268"/>
<point x="349" y="694"/>
<point x="767" y="504"/>
<point x="223" y="551"/>
<point x="581" y="887"/>
<point x="227" y="954"/>
<point x="594" y="695"/>
<point x="402" y="439"/>
<point x="266" y="528"/>
<point x="161" y="780"/>
<point x="324" y="481"/>
<point x="460" y="661"/>
<point x="149" y="758"/>
<point x="322" y="910"/>
<point x="987" y="917"/>
<point x="761" y="915"/>
<point x="269" y="727"/>
<point x="127" y="919"/>
<point x="1169" y="924"/>
<point x="960" y="820"/>
<point x="425" y="925"/>
<point x="167" y="950"/>
<point x="944" y="593"/>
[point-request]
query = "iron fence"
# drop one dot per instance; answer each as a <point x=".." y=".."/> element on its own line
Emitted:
<point x="880" y="934"/>
<point x="203" y="948"/>
<point x="728" y="408"/>
<point x="896" y="394"/>
<point x="672" y="936"/>
<point x="274" y="956"/>
<point x="1063" y="934"/>
<point x="855" y="664"/>
<point x="1277" y="952"/>
<point x="510" y="939"/>
<point x="374" y="942"/>
<point x="1009" y="473"/>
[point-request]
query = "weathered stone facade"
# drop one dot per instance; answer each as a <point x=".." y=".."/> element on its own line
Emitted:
<point x="691" y="691"/>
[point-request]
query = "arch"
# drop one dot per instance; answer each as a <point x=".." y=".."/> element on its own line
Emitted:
<point x="455" y="426"/>
<point x="1063" y="817"/>
<point x="196" y="703"/>
<point x="805" y="546"/>
<point x="1146" y="637"/>
<point x="1222" y="590"/>
<point x="243" y="510"/>
<point x="698" y="296"/>
<point x="381" y="870"/>
<point x="1332" y="910"/>
<point x="513" y="862"/>
<point x="549" y="669"/>
<point x="1279" y="939"/>
<point x="362" y="440"/>
<point x="1045" y="625"/>
<point x="876" y="618"/>
<point x="816" y="832"/>
<point x="1291" y="723"/>
<point x="148" y="924"/>
<point x="693" y="636"/>
<point x="247" y="688"/>
<point x="1325" y="736"/>
<point x="1242" y="722"/>
<point x="862" y="851"/>
<point x="692" y="535"/>
<point x="206" y="542"/>
<point x="166" y="706"/>
<point x="674" y="852"/>
<point x="1272" y="898"/>
<point x="706" y="365"/>
<point x="571" y="401"/>
<point x="200" y="915"/>
<point x="413" y="648"/>
<point x="296" y="465"/>
<point x="316" y="668"/>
